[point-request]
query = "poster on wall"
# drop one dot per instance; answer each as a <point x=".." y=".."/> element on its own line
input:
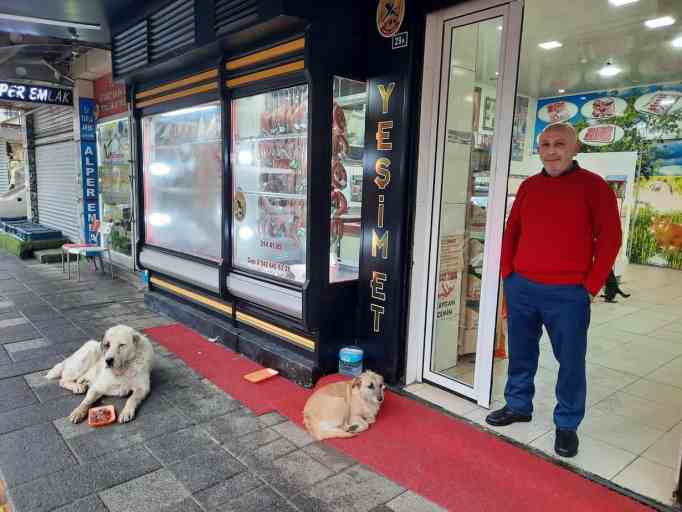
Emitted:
<point x="647" y="120"/>
<point x="488" y="123"/>
<point x="519" y="128"/>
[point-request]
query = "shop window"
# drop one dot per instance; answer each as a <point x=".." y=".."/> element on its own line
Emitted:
<point x="348" y="142"/>
<point x="113" y="156"/>
<point x="182" y="180"/>
<point x="269" y="166"/>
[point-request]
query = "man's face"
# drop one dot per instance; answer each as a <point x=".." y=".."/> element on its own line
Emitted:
<point x="557" y="149"/>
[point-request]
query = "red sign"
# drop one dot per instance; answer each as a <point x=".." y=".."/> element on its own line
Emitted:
<point x="110" y="97"/>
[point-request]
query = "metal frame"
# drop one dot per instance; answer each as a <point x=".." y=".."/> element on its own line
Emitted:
<point x="439" y="26"/>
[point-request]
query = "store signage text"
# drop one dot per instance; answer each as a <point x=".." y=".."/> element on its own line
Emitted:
<point x="89" y="176"/>
<point x="380" y="235"/>
<point x="110" y="96"/>
<point x="35" y="94"/>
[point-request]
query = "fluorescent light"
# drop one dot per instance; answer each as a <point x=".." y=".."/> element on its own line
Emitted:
<point x="159" y="219"/>
<point x="609" y="70"/>
<point x="677" y="42"/>
<point x="561" y="91"/>
<point x="660" y="22"/>
<point x="45" y="21"/>
<point x="245" y="157"/>
<point x="550" y="45"/>
<point x="245" y="233"/>
<point x="190" y="110"/>
<point x="499" y="27"/>
<point x="618" y="3"/>
<point x="159" y="169"/>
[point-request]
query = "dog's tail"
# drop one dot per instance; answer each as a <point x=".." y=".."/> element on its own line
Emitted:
<point x="56" y="371"/>
<point x="624" y="295"/>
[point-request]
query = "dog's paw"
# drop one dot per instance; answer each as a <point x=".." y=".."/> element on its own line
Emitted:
<point x="126" y="415"/>
<point x="79" y="389"/>
<point x="77" y="415"/>
<point x="352" y="428"/>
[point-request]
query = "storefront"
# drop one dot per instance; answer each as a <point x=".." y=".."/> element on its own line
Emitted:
<point x="115" y="171"/>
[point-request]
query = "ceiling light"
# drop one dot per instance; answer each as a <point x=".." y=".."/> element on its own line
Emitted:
<point x="677" y="42"/>
<point x="550" y="45"/>
<point x="618" y="3"/>
<point x="45" y="21"/>
<point x="561" y="91"/>
<point x="609" y="70"/>
<point x="499" y="27"/>
<point x="660" y="22"/>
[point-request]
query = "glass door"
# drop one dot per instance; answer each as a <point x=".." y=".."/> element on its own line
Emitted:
<point x="470" y="83"/>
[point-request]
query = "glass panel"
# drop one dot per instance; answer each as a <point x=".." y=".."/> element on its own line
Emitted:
<point x="469" y="127"/>
<point x="269" y="167"/>
<point x="182" y="180"/>
<point x="113" y="157"/>
<point x="348" y="144"/>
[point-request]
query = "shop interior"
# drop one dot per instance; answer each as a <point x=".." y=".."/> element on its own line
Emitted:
<point x="613" y="69"/>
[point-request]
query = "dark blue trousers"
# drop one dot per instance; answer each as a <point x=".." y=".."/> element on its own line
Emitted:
<point x="565" y="312"/>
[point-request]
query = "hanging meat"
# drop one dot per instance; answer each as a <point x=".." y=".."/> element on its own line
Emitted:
<point x="339" y="174"/>
<point x="339" y="119"/>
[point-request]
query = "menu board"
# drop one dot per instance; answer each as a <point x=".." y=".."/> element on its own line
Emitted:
<point x="269" y="166"/>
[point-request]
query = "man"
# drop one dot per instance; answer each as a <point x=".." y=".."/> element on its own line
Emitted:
<point x="560" y="242"/>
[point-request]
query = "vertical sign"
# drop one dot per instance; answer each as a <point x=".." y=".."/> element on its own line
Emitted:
<point x="88" y="131"/>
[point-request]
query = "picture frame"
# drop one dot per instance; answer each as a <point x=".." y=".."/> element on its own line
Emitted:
<point x="488" y="123"/>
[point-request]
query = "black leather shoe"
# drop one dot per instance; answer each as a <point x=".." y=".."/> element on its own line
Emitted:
<point x="505" y="416"/>
<point x="566" y="443"/>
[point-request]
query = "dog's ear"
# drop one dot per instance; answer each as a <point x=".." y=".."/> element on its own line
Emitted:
<point x="136" y="338"/>
<point x="356" y="383"/>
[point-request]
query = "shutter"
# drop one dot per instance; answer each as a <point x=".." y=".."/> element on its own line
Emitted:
<point x="53" y="122"/>
<point x="4" y="167"/>
<point x="171" y="28"/>
<point x="233" y="15"/>
<point x="58" y="192"/>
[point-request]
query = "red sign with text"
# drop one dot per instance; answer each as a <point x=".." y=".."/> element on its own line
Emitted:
<point x="110" y="96"/>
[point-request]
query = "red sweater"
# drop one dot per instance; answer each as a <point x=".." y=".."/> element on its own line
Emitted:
<point x="563" y="230"/>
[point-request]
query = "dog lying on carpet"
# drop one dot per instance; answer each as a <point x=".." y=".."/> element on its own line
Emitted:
<point x="344" y="409"/>
<point x="119" y="365"/>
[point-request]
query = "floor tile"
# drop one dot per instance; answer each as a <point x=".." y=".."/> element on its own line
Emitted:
<point x="670" y="373"/>
<point x="149" y="493"/>
<point x="655" y="392"/>
<point x="646" y="412"/>
<point x="448" y="401"/>
<point x="666" y="451"/>
<point x="411" y="502"/>
<point x="593" y="455"/>
<point x="206" y="469"/>
<point x="649" y="479"/>
<point x="619" y="431"/>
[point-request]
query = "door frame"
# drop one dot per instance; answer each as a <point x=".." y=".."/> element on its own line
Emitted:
<point x="420" y="321"/>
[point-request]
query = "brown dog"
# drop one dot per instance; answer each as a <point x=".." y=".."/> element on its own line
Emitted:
<point x="344" y="409"/>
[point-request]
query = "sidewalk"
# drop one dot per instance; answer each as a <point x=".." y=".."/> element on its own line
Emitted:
<point x="191" y="447"/>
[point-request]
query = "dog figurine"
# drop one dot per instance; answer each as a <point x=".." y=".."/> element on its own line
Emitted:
<point x="611" y="289"/>
<point x="668" y="235"/>
<point x="344" y="409"/>
<point x="119" y="365"/>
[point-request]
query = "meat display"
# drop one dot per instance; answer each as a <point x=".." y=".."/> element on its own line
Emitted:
<point x="557" y="111"/>
<point x="661" y="103"/>
<point x="603" y="107"/>
<point x="602" y="134"/>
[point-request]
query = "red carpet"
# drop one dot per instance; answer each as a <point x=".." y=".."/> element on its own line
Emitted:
<point x="445" y="460"/>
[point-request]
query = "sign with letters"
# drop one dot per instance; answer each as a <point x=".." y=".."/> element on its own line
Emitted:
<point x="89" y="177"/>
<point x="36" y="94"/>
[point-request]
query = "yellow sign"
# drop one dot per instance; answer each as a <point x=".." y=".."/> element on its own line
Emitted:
<point x="390" y="15"/>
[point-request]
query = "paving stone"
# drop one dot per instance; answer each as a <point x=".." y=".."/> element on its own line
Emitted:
<point x="257" y="501"/>
<point x="47" y="348"/>
<point x="180" y="445"/>
<point x="39" y="444"/>
<point x="10" y="285"/>
<point x="200" y="401"/>
<point x="90" y="504"/>
<point x="28" y="366"/>
<point x="411" y="502"/>
<point x="15" y="393"/>
<point x="18" y="333"/>
<point x="51" y="321"/>
<point x="234" y="424"/>
<point x="6" y="305"/>
<point x="43" y="388"/>
<point x="206" y="469"/>
<point x="37" y="413"/>
<point x="292" y="473"/>
<point x="148" y="493"/>
<point x="219" y="494"/>
<point x="10" y="322"/>
<point x="241" y="446"/>
<point x="78" y="481"/>
<point x="272" y="418"/>
<point x="60" y="334"/>
<point x="329" y="456"/>
<point x="357" y="488"/>
<point x="294" y="433"/>
<point x="21" y="346"/>
<point x="152" y="420"/>
<point x="8" y="313"/>
<point x="4" y="356"/>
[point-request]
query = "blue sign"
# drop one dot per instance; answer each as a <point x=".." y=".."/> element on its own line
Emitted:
<point x="89" y="179"/>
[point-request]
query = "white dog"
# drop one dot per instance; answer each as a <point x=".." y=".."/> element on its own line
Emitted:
<point x="120" y="365"/>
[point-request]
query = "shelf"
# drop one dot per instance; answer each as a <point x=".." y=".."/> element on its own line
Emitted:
<point x="265" y="138"/>
<point x="276" y="195"/>
<point x="353" y="99"/>
<point x="263" y="170"/>
<point x="177" y="145"/>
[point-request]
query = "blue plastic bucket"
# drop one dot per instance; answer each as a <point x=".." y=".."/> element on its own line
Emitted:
<point x="350" y="361"/>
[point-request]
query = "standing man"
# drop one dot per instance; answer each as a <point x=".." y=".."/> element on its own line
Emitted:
<point x="561" y="241"/>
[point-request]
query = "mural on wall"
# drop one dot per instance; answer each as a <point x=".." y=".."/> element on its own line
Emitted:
<point x="519" y="128"/>
<point x="643" y="119"/>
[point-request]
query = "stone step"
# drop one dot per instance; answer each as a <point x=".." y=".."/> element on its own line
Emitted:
<point x="48" y="255"/>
